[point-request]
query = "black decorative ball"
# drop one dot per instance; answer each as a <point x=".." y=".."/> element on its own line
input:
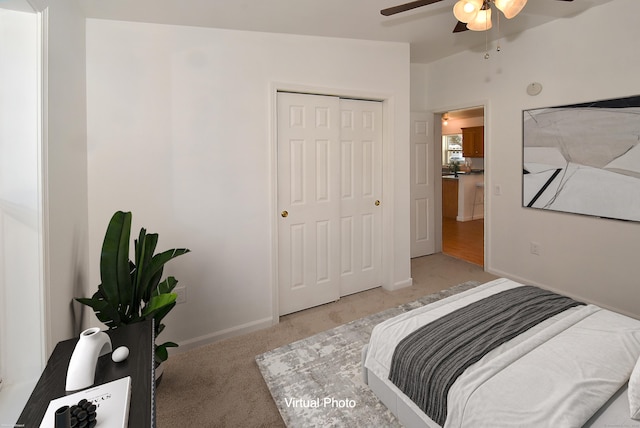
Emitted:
<point x="83" y="415"/>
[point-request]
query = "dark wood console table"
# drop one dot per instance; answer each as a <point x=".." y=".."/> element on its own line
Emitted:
<point x="139" y="338"/>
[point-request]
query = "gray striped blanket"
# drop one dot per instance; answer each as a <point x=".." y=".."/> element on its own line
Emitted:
<point x="427" y="362"/>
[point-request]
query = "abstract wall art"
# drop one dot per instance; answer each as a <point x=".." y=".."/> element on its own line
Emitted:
<point x="584" y="158"/>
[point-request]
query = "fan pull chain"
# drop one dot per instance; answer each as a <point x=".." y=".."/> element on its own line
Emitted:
<point x="486" y="45"/>
<point x="486" y="5"/>
<point x="498" y="48"/>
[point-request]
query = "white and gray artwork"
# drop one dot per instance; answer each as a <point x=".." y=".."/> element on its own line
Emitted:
<point x="584" y="158"/>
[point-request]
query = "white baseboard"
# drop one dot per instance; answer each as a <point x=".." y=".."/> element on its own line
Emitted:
<point x="551" y="287"/>
<point x="207" y="339"/>
<point x="400" y="284"/>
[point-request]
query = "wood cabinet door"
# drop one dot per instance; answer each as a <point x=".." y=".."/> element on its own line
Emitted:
<point x="450" y="198"/>
<point x="473" y="142"/>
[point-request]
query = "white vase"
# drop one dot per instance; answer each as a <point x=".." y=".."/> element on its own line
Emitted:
<point x="92" y="344"/>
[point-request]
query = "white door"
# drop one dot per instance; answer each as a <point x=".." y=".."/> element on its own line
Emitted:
<point x="422" y="187"/>
<point x="308" y="200"/>
<point x="361" y="195"/>
<point x="329" y="179"/>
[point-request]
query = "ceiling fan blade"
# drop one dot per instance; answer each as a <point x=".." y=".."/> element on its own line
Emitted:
<point x="460" y="27"/>
<point x="408" y="6"/>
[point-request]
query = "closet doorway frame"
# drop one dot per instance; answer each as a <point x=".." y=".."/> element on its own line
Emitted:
<point x="388" y="171"/>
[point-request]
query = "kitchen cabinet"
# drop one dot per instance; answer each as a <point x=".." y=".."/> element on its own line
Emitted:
<point x="463" y="197"/>
<point x="473" y="142"/>
<point x="450" y="197"/>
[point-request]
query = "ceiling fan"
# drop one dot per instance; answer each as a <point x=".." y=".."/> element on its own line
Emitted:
<point x="471" y="14"/>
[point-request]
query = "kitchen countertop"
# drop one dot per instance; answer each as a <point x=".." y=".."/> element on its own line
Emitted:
<point x="462" y="174"/>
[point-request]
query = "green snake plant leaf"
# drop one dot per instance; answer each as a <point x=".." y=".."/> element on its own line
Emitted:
<point x="158" y="261"/>
<point x="152" y="286"/>
<point x="103" y="310"/>
<point x="145" y="247"/>
<point x="158" y="303"/>
<point x="114" y="263"/>
<point x="161" y="351"/>
<point x="161" y="313"/>
<point x="166" y="286"/>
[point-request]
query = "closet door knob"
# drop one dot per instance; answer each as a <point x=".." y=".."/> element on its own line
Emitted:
<point x="284" y="213"/>
<point x="377" y="203"/>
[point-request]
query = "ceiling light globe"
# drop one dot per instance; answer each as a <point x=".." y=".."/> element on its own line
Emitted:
<point x="510" y="8"/>
<point x="466" y="10"/>
<point x="482" y="21"/>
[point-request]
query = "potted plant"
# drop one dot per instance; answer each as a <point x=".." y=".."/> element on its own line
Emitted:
<point x="131" y="290"/>
<point x="454" y="166"/>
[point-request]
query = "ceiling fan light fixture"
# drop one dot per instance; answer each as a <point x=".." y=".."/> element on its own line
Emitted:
<point x="482" y="21"/>
<point x="510" y="8"/>
<point x="466" y="10"/>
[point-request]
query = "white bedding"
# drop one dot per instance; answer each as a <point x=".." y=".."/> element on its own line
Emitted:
<point x="557" y="374"/>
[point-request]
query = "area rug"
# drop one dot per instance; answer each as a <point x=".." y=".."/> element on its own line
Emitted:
<point x="317" y="381"/>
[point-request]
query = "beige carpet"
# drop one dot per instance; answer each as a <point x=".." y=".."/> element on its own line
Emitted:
<point x="219" y="385"/>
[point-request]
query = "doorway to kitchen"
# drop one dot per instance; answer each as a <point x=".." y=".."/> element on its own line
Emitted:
<point x="463" y="168"/>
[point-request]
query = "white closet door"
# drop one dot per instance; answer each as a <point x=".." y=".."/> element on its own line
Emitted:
<point x="360" y="195"/>
<point x="329" y="198"/>
<point x="422" y="187"/>
<point x="308" y="200"/>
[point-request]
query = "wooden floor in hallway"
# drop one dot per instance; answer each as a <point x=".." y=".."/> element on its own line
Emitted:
<point x="464" y="239"/>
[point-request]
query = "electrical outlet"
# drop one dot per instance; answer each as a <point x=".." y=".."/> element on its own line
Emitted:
<point x="534" y="248"/>
<point x="182" y="294"/>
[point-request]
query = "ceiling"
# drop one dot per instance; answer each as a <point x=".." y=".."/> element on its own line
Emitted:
<point x="18" y="5"/>
<point x="465" y="113"/>
<point x="428" y="29"/>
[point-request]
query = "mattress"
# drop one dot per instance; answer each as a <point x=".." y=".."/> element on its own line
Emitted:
<point x="561" y="372"/>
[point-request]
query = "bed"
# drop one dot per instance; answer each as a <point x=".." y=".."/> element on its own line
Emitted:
<point x="570" y="368"/>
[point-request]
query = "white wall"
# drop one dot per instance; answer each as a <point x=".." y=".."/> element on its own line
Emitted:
<point x="62" y="171"/>
<point x="180" y="124"/>
<point x="588" y="57"/>
<point x="419" y="73"/>
<point x="65" y="168"/>
<point x="45" y="190"/>
<point x="20" y="200"/>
